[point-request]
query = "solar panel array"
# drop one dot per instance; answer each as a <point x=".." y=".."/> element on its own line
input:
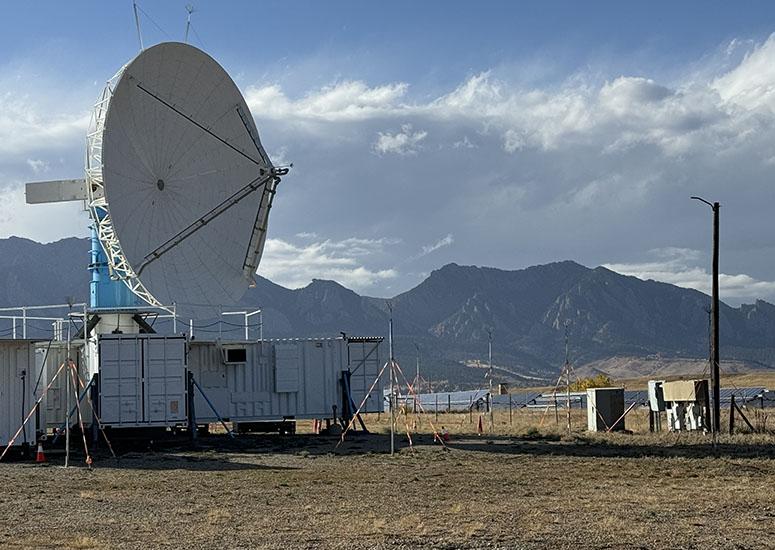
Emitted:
<point x="463" y="400"/>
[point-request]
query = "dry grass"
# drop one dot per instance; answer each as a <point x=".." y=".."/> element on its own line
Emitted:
<point x="57" y="541"/>
<point x="526" y="484"/>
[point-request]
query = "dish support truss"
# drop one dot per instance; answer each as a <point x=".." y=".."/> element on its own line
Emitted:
<point x="119" y="267"/>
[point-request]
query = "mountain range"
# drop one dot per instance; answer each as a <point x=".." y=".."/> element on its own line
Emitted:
<point x="610" y="320"/>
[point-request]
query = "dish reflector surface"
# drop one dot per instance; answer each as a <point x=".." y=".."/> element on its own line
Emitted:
<point x="178" y="141"/>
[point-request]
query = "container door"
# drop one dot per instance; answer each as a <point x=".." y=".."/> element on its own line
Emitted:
<point x="121" y="399"/>
<point x="365" y="364"/>
<point x="164" y="367"/>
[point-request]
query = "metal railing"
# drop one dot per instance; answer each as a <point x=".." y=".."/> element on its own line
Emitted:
<point x="20" y="318"/>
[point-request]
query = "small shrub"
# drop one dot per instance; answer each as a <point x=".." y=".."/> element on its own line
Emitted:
<point x="597" y="381"/>
<point x="532" y="433"/>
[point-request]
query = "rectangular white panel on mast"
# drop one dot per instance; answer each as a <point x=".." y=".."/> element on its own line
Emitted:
<point x="42" y="192"/>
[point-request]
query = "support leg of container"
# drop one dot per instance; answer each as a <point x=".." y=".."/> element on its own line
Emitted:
<point x="191" y="411"/>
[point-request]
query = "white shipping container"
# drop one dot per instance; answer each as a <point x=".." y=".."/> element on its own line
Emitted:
<point x="17" y="381"/>
<point x="274" y="379"/>
<point x="142" y="380"/>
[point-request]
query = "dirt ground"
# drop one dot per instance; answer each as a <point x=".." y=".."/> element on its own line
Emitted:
<point x="526" y="485"/>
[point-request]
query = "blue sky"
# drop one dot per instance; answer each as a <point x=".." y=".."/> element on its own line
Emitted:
<point x="433" y="42"/>
<point x="489" y="133"/>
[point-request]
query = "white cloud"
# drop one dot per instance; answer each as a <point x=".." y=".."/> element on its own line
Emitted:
<point x="593" y="167"/>
<point x="752" y="83"/>
<point x="345" y="101"/>
<point x="441" y="243"/>
<point x="38" y="166"/>
<point x="41" y="222"/>
<point x="678" y="266"/>
<point x="464" y="143"/>
<point x="295" y="266"/>
<point x="627" y="109"/>
<point x="24" y="128"/>
<point x="405" y="142"/>
<point x="432" y="247"/>
<point x="513" y="141"/>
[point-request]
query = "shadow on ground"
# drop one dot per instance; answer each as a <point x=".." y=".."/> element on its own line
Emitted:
<point x="220" y="452"/>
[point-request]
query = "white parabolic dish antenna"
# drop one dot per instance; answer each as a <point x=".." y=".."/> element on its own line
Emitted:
<point x="178" y="182"/>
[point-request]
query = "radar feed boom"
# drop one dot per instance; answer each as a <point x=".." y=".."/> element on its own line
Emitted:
<point x="172" y="146"/>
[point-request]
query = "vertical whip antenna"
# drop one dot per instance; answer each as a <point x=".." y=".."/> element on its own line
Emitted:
<point x="190" y="10"/>
<point x="137" y="24"/>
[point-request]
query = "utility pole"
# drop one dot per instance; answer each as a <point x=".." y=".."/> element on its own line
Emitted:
<point x="489" y="355"/>
<point x="392" y="387"/>
<point x="567" y="376"/>
<point x="714" y="308"/>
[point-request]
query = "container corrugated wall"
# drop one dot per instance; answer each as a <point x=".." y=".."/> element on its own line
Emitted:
<point x="17" y="380"/>
<point x="306" y="373"/>
<point x="53" y="406"/>
<point x="278" y="378"/>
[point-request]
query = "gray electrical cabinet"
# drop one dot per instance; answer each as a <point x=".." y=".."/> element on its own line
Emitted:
<point x="142" y="380"/>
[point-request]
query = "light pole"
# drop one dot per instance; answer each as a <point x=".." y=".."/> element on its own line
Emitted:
<point x="714" y="342"/>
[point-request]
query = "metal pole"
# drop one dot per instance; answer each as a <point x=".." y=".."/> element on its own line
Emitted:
<point x="715" y="308"/>
<point x="137" y="24"/>
<point x="247" y="335"/>
<point x="174" y="318"/>
<point x="24" y="323"/>
<point x="489" y="357"/>
<point x="261" y="324"/>
<point x="392" y="389"/>
<point x="220" y="323"/>
<point x="567" y="377"/>
<point x="190" y="329"/>
<point x="190" y="10"/>
<point x="67" y="399"/>
<point x="417" y="376"/>
<point x="714" y="371"/>
<point x="14" y="328"/>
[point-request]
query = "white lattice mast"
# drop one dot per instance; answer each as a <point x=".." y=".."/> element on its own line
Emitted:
<point x="98" y="204"/>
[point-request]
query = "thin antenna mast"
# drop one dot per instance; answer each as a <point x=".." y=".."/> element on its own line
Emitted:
<point x="489" y="355"/>
<point x="567" y="375"/>
<point x="137" y="24"/>
<point x="190" y="10"/>
<point x="392" y="389"/>
<point x="417" y="375"/>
